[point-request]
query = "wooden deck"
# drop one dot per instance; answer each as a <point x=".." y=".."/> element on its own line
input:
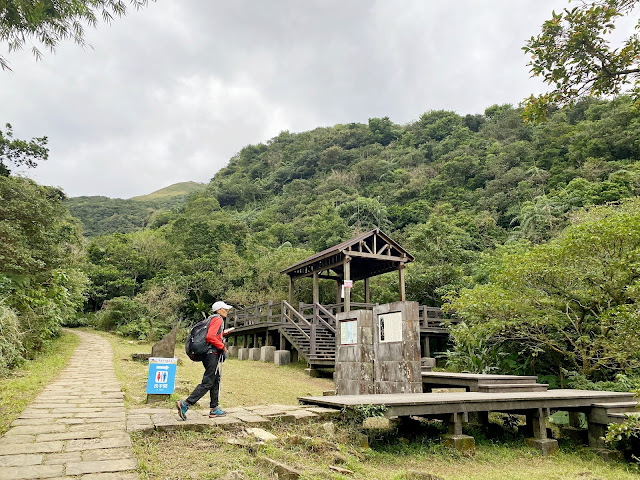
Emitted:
<point x="425" y="404"/>
<point x="476" y="382"/>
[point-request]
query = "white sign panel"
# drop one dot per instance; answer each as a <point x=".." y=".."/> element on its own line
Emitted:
<point x="348" y="332"/>
<point x="390" y="327"/>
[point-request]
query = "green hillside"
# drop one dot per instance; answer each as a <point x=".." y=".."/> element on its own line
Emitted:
<point x="176" y="190"/>
<point x="530" y="232"/>
<point x="103" y="215"/>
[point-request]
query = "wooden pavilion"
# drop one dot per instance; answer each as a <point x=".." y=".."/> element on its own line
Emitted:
<point x="360" y="258"/>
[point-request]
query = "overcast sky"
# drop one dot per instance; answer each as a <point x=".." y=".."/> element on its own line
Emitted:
<point x="171" y="92"/>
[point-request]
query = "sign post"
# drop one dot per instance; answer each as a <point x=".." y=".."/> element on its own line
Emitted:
<point x="162" y="378"/>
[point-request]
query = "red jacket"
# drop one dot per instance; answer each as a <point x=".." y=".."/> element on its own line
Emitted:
<point x="214" y="334"/>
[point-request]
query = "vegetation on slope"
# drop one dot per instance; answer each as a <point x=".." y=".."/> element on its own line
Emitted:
<point x="459" y="192"/>
<point x="104" y="215"/>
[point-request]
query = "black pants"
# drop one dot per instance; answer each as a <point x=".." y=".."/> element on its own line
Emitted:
<point x="210" y="382"/>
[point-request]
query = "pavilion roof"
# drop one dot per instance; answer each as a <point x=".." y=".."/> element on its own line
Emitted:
<point x="371" y="253"/>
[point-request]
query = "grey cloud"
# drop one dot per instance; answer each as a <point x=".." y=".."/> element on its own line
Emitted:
<point x="171" y="92"/>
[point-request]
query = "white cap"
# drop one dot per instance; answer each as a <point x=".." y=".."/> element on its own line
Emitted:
<point x="218" y="305"/>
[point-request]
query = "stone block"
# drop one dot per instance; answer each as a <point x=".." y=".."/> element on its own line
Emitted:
<point x="312" y="372"/>
<point x="243" y="353"/>
<point x="377" y="423"/>
<point x="576" y="435"/>
<point x="283" y="472"/>
<point x="359" y="439"/>
<point x="20" y="460"/>
<point x="281" y="357"/>
<point x="609" y="455"/>
<point x="547" y="446"/>
<point x="261" y="435"/>
<point x="30" y="472"/>
<point x="463" y="443"/>
<point x="254" y="354"/>
<point x="233" y="351"/>
<point x="267" y="354"/>
<point x="101" y="466"/>
<point x="165" y="348"/>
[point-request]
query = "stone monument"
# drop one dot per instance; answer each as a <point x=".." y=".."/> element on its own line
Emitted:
<point x="378" y="351"/>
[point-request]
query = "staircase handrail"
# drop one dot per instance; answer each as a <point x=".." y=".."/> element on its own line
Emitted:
<point x="285" y="307"/>
<point x="322" y="320"/>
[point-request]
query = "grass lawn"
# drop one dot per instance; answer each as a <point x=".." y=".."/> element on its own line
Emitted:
<point x="310" y="448"/>
<point x="21" y="386"/>
<point x="243" y="382"/>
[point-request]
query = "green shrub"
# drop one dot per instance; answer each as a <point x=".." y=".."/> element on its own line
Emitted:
<point x="118" y="312"/>
<point x="11" y="349"/>
<point x="625" y="437"/>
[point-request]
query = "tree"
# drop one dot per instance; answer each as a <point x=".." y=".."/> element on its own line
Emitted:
<point x="573" y="54"/>
<point x="41" y="285"/>
<point x="49" y="21"/>
<point x="20" y="152"/>
<point x="572" y="303"/>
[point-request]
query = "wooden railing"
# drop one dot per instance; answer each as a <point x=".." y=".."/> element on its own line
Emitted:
<point x="268" y="312"/>
<point x="311" y="314"/>
<point x="434" y="317"/>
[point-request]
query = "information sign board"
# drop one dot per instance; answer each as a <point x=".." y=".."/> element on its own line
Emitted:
<point x="348" y="284"/>
<point x="390" y="327"/>
<point x="162" y="375"/>
<point x="349" y="332"/>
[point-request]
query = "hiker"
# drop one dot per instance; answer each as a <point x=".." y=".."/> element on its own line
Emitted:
<point x="211" y="361"/>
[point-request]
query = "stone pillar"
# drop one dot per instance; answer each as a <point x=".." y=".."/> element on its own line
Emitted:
<point x="267" y="353"/>
<point x="354" y="353"/>
<point x="254" y="354"/>
<point x="396" y="346"/>
<point x="456" y="439"/>
<point x="281" y="357"/>
<point x="243" y="353"/>
<point x="233" y="351"/>
<point x="548" y="446"/>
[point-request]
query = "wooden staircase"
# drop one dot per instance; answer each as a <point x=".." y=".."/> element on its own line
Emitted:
<point x="313" y="338"/>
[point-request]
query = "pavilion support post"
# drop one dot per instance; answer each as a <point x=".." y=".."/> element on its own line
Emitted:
<point x="367" y="293"/>
<point x="403" y="296"/>
<point x="316" y="288"/>
<point x="338" y="295"/>
<point x="347" y="291"/>
<point x="290" y="290"/>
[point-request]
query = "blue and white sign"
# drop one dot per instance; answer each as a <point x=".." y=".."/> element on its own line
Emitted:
<point x="162" y="375"/>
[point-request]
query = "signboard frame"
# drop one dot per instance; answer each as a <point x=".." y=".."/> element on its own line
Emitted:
<point x="349" y="331"/>
<point x="390" y="327"/>
<point x="162" y="376"/>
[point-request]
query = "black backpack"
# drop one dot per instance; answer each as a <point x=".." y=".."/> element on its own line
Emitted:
<point x="196" y="345"/>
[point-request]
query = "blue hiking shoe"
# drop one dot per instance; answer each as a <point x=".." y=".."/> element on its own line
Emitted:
<point x="182" y="410"/>
<point x="216" y="412"/>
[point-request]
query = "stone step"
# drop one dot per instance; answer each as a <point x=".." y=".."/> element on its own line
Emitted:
<point x="511" y="387"/>
<point x="619" y="407"/>
<point x="509" y="379"/>
<point x="600" y="415"/>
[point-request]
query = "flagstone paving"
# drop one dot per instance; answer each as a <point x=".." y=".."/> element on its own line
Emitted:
<point x="77" y="428"/>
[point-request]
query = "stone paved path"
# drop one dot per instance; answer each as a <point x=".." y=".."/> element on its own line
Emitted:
<point x="75" y="429"/>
